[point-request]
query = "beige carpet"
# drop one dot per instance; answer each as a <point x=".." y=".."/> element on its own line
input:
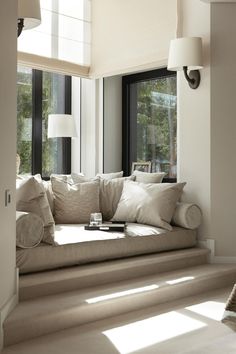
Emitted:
<point x="195" y="329"/>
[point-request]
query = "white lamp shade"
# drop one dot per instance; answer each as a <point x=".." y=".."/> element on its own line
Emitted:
<point x="29" y="10"/>
<point x="61" y="125"/>
<point x="185" y="52"/>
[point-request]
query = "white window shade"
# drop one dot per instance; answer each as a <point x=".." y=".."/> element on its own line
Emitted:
<point x="62" y="42"/>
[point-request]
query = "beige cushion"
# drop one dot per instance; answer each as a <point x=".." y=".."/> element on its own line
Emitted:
<point x="146" y="177"/>
<point x="29" y="229"/>
<point x="68" y="178"/>
<point x="229" y="315"/>
<point x="49" y="193"/>
<point x="148" y="203"/>
<point x="75" y="202"/>
<point x="187" y="215"/>
<point x="110" y="193"/>
<point x="31" y="197"/>
<point x="110" y="175"/>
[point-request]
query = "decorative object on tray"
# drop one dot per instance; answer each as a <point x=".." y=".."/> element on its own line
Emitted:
<point x="96" y="219"/>
<point x="109" y="226"/>
<point x="141" y="166"/>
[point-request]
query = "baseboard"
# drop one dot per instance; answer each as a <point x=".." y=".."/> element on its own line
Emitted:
<point x="8" y="307"/>
<point x="210" y="244"/>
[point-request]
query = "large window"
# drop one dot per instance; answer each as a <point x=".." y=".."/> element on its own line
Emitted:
<point x="149" y="121"/>
<point x="40" y="94"/>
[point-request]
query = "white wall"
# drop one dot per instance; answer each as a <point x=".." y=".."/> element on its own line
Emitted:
<point x="75" y="111"/>
<point x="130" y="35"/>
<point x="8" y="16"/>
<point x="223" y="127"/>
<point x="194" y="156"/>
<point x="113" y="124"/>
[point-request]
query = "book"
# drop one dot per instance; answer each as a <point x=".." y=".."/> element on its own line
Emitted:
<point x="110" y="226"/>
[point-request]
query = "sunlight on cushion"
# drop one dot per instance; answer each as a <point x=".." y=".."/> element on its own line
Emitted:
<point x="179" y="280"/>
<point x="142" y="334"/>
<point x="122" y="293"/>
<point x="210" y="309"/>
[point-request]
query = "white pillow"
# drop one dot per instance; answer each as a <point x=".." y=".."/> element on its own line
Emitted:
<point x="148" y="203"/>
<point x="31" y="197"/>
<point x="187" y="215"/>
<point x="110" y="175"/>
<point x="146" y="177"/>
<point x="29" y="229"/>
<point x="74" y="203"/>
<point x="110" y="193"/>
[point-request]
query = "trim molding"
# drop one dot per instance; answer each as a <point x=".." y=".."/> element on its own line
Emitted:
<point x="8" y="307"/>
<point x="210" y="244"/>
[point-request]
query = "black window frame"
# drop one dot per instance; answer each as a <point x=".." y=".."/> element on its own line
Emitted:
<point x="127" y="121"/>
<point x="37" y="99"/>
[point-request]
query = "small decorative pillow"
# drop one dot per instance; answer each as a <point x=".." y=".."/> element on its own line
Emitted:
<point x="110" y="193"/>
<point x="31" y="197"/>
<point x="146" y="177"/>
<point x="74" y="203"/>
<point x="29" y="230"/>
<point x="49" y="193"/>
<point x="148" y="203"/>
<point x="229" y="316"/>
<point x="110" y="176"/>
<point x="68" y="178"/>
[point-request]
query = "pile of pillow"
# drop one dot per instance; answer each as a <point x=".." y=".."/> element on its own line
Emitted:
<point x="70" y="199"/>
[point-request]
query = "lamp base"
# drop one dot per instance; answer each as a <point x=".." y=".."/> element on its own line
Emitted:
<point x="193" y="77"/>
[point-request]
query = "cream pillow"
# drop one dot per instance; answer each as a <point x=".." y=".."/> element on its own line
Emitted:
<point x="74" y="203"/>
<point x="110" y="193"/>
<point x="29" y="229"/>
<point x="148" y="203"/>
<point x="110" y="176"/>
<point x="146" y="177"/>
<point x="187" y="215"/>
<point x="31" y="197"/>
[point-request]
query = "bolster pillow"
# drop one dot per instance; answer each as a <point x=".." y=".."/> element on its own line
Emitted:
<point x="187" y="215"/>
<point x="29" y="229"/>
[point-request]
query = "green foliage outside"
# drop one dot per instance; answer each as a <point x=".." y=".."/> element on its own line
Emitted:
<point x="157" y="124"/>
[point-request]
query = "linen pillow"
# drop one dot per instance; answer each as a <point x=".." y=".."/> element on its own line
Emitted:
<point x="110" y="176"/>
<point x="29" y="229"/>
<point x="31" y="197"/>
<point x="49" y="193"/>
<point x="146" y="177"/>
<point x="110" y="193"/>
<point x="74" y="203"/>
<point x="187" y="215"/>
<point x="148" y="203"/>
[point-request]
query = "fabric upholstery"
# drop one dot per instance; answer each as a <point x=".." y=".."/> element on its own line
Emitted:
<point x="187" y="215"/>
<point x="146" y="177"/>
<point x="29" y="229"/>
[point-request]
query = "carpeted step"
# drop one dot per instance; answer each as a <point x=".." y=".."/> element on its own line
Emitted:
<point x="40" y="316"/>
<point x="68" y="279"/>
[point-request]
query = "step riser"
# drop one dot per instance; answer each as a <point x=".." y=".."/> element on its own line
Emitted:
<point x="86" y="281"/>
<point x="85" y="314"/>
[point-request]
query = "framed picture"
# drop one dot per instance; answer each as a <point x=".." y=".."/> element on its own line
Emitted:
<point x="141" y="166"/>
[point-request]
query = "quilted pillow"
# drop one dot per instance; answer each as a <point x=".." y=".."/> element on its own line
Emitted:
<point x="148" y="203"/>
<point x="74" y="203"/>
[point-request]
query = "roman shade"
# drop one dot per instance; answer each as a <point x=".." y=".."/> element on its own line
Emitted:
<point x="62" y="42"/>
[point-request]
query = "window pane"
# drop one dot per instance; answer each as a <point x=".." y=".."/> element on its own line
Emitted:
<point x="156" y="124"/>
<point x="24" y="118"/>
<point x="53" y="102"/>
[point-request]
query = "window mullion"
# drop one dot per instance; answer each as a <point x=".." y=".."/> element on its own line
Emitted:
<point x="37" y="96"/>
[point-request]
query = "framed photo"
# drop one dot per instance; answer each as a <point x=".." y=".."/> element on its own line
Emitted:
<point x="141" y="166"/>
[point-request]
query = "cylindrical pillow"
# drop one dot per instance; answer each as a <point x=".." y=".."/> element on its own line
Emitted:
<point x="187" y="215"/>
<point x="29" y="229"/>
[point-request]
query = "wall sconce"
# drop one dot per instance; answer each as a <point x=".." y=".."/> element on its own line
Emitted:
<point x="186" y="54"/>
<point x="61" y="126"/>
<point x="29" y="14"/>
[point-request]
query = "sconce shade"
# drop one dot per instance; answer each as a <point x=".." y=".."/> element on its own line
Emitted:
<point x="61" y="125"/>
<point x="185" y="52"/>
<point x="29" y="11"/>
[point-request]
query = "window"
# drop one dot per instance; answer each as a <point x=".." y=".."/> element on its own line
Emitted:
<point x="39" y="94"/>
<point x="149" y="121"/>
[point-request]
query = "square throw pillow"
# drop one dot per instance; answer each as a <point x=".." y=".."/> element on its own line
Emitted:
<point x="74" y="203"/>
<point x="148" y="203"/>
<point x="146" y="177"/>
<point x="110" y="193"/>
<point x="31" y="197"/>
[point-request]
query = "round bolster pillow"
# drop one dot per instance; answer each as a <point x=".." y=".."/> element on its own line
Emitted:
<point x="29" y="229"/>
<point x="187" y="215"/>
